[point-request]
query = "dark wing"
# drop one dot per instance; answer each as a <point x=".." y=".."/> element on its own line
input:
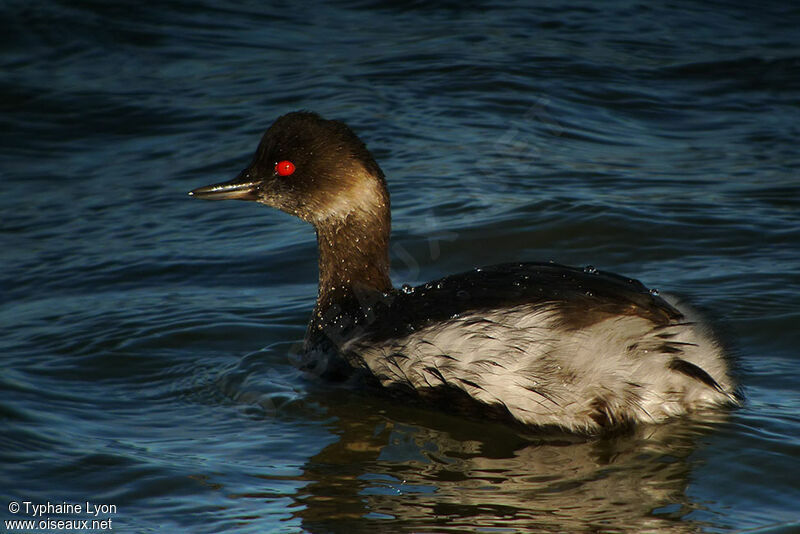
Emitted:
<point x="582" y="296"/>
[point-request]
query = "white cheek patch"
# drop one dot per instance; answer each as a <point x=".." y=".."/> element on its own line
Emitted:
<point x="365" y="195"/>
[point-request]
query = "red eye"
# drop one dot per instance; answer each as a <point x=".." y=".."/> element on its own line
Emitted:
<point x="284" y="168"/>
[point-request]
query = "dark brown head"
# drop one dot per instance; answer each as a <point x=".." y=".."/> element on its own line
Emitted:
<point x="315" y="169"/>
<point x="319" y="171"/>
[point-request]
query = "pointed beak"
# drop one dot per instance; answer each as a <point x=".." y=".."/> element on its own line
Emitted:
<point x="243" y="187"/>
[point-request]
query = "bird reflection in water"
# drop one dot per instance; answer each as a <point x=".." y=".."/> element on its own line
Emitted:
<point x="442" y="474"/>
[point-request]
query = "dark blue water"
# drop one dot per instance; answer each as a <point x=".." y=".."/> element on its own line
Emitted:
<point x="145" y="336"/>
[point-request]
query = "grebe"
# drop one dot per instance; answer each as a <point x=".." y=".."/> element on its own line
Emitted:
<point x="541" y="344"/>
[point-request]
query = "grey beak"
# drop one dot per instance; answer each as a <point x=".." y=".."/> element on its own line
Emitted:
<point x="240" y="188"/>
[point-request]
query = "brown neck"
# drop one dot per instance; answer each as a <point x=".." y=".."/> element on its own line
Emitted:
<point x="353" y="258"/>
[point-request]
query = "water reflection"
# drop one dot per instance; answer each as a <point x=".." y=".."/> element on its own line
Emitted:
<point x="442" y="474"/>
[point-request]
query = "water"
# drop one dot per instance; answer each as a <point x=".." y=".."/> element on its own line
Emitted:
<point x="146" y="335"/>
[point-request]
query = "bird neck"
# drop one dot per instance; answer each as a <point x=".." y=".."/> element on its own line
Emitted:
<point x="353" y="260"/>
